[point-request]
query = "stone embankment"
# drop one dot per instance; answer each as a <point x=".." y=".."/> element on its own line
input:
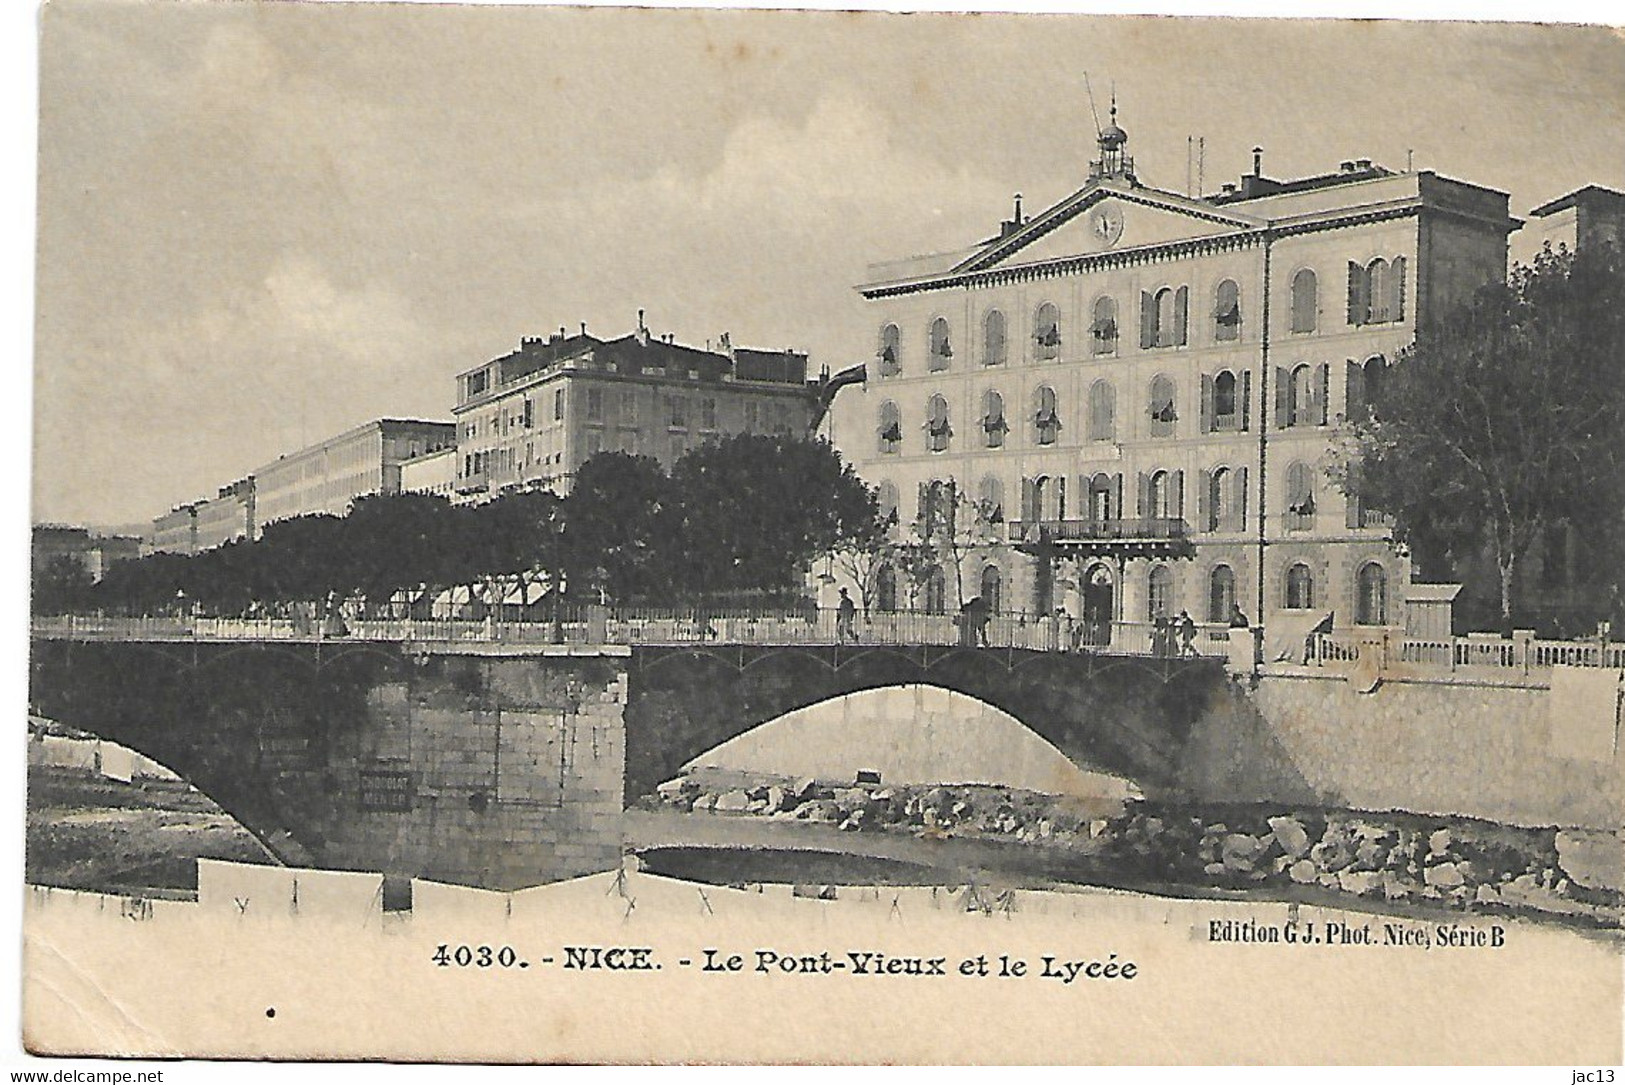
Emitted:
<point x="1394" y="858"/>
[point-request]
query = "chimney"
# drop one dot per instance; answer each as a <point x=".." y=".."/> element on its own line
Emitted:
<point x="1363" y="163"/>
<point x="1347" y="166"/>
<point x="1229" y="188"/>
<point x="1258" y="161"/>
<point x="583" y="327"/>
<point x="642" y="333"/>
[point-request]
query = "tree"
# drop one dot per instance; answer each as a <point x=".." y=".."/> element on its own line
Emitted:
<point x="753" y="510"/>
<point x="62" y="585"/>
<point x="614" y="520"/>
<point x="1504" y="419"/>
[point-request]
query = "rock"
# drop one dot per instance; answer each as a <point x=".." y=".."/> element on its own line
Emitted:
<point x="1326" y="881"/>
<point x="1214" y="868"/>
<point x="757" y="806"/>
<point x="732" y="802"/>
<point x="960" y="809"/>
<point x="1303" y="872"/>
<point x="1487" y="895"/>
<point x="1239" y="852"/>
<point x="1369" y="855"/>
<point x="1291" y="835"/>
<point x="673" y="789"/>
<point x="803" y="788"/>
<point x="1595" y="860"/>
<point x="885" y="794"/>
<point x="704" y="804"/>
<point x="757" y="792"/>
<point x="1152" y="826"/>
<point x="1218" y="829"/>
<point x="1438" y="843"/>
<point x="1395" y="887"/>
<point x="1098" y="828"/>
<point x="1443" y="876"/>
<point x="1332" y="854"/>
<point x="775" y="798"/>
<point x="850" y="797"/>
<point x="1360" y="882"/>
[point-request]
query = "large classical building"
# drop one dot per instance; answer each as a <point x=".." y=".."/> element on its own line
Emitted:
<point x="327" y="477"/>
<point x="1123" y="405"/>
<point x="531" y="417"/>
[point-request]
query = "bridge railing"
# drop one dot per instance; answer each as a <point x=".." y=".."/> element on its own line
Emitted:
<point x="660" y="626"/>
<point x="1522" y="652"/>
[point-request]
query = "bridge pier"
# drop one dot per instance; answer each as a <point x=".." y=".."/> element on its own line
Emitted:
<point x="495" y="770"/>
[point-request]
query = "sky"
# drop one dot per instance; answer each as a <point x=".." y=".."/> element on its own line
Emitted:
<point x="262" y="224"/>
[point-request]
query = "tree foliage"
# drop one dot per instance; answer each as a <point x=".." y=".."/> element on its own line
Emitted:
<point x="744" y="515"/>
<point x="1506" y="418"/>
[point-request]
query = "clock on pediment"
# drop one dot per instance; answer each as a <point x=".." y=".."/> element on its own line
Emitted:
<point x="1106" y="223"/>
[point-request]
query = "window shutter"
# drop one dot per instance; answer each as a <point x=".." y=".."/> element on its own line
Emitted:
<point x="1239" y="505"/>
<point x="1028" y="497"/>
<point x="1144" y="504"/>
<point x="1323" y="382"/>
<point x="1354" y="392"/>
<point x="950" y="495"/>
<point x="1060" y="497"/>
<point x="923" y="514"/>
<point x="1399" y="288"/>
<point x="1182" y="309"/>
<point x="1359" y="290"/>
<point x="1246" y="398"/>
<point x="1283" y="398"/>
<point x="1204" y="500"/>
<point x="1148" y="320"/>
<point x="1178" y="510"/>
<point x="1207" y="404"/>
<point x="1117" y="496"/>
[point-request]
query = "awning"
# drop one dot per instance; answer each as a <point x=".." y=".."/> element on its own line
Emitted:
<point x="1285" y="635"/>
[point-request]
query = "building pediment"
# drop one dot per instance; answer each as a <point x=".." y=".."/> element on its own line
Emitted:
<point x="1104" y="216"/>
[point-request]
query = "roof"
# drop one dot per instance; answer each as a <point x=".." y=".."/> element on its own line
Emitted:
<point x="1589" y="194"/>
<point x="1254" y="186"/>
<point x="1431" y="593"/>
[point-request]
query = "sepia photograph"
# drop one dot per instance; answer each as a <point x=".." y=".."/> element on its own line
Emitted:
<point x="689" y="535"/>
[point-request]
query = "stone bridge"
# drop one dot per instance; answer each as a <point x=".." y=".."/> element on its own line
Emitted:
<point x="508" y="765"/>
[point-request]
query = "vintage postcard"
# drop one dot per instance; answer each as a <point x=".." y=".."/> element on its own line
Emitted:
<point x="612" y="535"/>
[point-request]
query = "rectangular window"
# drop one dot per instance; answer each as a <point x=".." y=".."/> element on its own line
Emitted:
<point x="708" y="413"/>
<point x="595" y="404"/>
<point x="530" y="417"/>
<point x="477" y="383"/>
<point x="678" y="417"/>
<point x="595" y="443"/>
<point x="558" y="405"/>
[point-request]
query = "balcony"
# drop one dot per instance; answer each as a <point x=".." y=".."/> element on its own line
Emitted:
<point x="1145" y="536"/>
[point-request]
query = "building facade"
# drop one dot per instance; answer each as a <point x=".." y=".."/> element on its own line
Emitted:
<point x="431" y="473"/>
<point x="227" y="516"/>
<point x="531" y="417"/>
<point x="175" y="532"/>
<point x="329" y="476"/>
<point x="1123" y="405"/>
<point x="95" y="552"/>
<point x="1584" y="218"/>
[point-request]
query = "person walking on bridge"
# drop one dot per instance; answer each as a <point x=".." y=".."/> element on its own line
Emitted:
<point x="846" y="619"/>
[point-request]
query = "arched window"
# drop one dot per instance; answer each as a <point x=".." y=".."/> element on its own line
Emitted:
<point x="1160" y="496"/>
<point x="1300" y="587"/>
<point x="1371" y="607"/>
<point x="1161" y="407"/>
<point x="941" y="351"/>
<point x="1049" y="497"/>
<point x="938" y="501"/>
<point x="1305" y="301"/>
<point x="1372" y="372"/>
<point x="1378" y="291"/>
<point x="886" y="498"/>
<point x="1220" y="501"/>
<point x="1227" y="312"/>
<point x="1102" y="411"/>
<point x="1224" y="400"/>
<point x="1046" y="420"/>
<point x="1103" y="328"/>
<point x="891" y="345"/>
<point x="890" y="429"/>
<point x="1163" y="317"/>
<point x="937" y="431"/>
<point x="994" y="426"/>
<point x="992" y="589"/>
<point x="995" y="340"/>
<point x="885" y="588"/>
<point x="1301" y="407"/>
<point x="990" y="499"/>
<point x="1159" y="593"/>
<point x="1221" y="593"/>
<point x="1103" y="498"/>
<point x="1300" y="497"/>
<point x="1047" y="332"/>
<point x="936" y="591"/>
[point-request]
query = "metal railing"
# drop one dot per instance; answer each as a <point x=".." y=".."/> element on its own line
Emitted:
<point x="1142" y="527"/>
<point x="665" y="626"/>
